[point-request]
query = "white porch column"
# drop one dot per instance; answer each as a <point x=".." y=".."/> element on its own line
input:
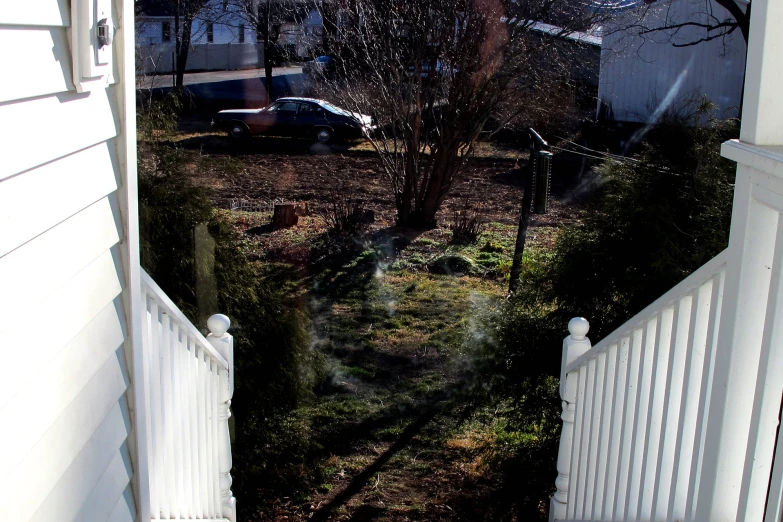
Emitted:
<point x="224" y="343"/>
<point x="574" y="346"/>
<point x="748" y="376"/>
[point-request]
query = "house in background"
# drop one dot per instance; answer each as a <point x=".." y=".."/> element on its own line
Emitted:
<point x="644" y="74"/>
<point x="227" y="42"/>
<point x="301" y="31"/>
<point x="230" y="40"/>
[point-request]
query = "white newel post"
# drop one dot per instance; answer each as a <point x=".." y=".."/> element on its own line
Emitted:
<point x="574" y="346"/>
<point x="224" y="343"/>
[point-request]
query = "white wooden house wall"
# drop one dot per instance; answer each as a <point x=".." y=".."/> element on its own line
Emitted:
<point x="638" y="73"/>
<point x="150" y="31"/>
<point x="68" y="262"/>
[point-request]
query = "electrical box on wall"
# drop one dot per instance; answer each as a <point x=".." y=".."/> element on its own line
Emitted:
<point x="92" y="40"/>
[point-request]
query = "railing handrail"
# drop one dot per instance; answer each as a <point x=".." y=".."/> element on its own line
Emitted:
<point x="695" y="280"/>
<point x="173" y="310"/>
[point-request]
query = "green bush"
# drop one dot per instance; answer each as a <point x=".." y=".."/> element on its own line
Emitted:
<point x="657" y="218"/>
<point x="275" y="369"/>
<point x="654" y="219"/>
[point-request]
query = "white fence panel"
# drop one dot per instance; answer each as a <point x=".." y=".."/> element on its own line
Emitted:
<point x="634" y="403"/>
<point x="190" y="384"/>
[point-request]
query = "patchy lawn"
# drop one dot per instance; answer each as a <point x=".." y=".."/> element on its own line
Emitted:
<point x="395" y="432"/>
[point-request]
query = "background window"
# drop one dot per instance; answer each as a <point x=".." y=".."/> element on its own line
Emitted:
<point x="242" y="33"/>
<point x="166" y="31"/>
<point x="210" y="33"/>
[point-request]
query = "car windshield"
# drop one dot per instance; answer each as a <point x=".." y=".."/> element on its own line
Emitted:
<point x="282" y="106"/>
<point x="335" y="110"/>
<point x="323" y="59"/>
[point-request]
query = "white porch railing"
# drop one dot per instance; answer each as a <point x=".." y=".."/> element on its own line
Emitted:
<point x="676" y="416"/>
<point x="634" y="407"/>
<point x="190" y="382"/>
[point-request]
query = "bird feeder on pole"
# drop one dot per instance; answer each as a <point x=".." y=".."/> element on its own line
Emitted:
<point x="535" y="199"/>
<point x="541" y="172"/>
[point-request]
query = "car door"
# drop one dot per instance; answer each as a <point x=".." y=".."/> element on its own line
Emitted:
<point x="306" y="119"/>
<point x="284" y="122"/>
<point x="265" y="121"/>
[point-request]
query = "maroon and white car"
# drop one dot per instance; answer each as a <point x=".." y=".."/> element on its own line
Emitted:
<point x="304" y="118"/>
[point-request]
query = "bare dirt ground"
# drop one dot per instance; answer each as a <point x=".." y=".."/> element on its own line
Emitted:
<point x="393" y="435"/>
<point x="302" y="172"/>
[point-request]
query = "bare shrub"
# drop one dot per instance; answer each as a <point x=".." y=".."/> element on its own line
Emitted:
<point x="434" y="73"/>
<point x="345" y="213"/>
<point x="467" y="222"/>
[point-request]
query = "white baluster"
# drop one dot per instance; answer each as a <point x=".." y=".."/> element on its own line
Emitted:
<point x="224" y="343"/>
<point x="574" y="346"/>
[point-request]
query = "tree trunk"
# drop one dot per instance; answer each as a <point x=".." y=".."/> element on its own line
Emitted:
<point x="285" y="216"/>
<point x="183" y="48"/>
<point x="268" y="53"/>
<point x="524" y="223"/>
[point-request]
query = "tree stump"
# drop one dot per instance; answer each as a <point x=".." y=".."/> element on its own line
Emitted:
<point x="285" y="215"/>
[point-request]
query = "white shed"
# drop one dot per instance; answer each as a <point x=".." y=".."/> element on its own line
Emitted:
<point x="83" y="434"/>
<point x="645" y="73"/>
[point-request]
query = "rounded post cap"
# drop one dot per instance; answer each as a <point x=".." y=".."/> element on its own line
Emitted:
<point x="218" y="324"/>
<point x="578" y="327"/>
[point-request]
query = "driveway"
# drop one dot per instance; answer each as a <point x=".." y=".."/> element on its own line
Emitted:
<point x="165" y="80"/>
<point x="245" y="88"/>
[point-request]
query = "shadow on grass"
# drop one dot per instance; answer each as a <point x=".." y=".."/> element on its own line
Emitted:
<point x="339" y="266"/>
<point x="433" y="408"/>
<point x="514" y="489"/>
<point x="518" y="489"/>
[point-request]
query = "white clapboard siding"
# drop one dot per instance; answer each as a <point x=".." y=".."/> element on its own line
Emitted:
<point x="67" y="434"/>
<point x="76" y="491"/>
<point x="45" y="129"/>
<point x="104" y="328"/>
<point x="125" y="508"/>
<point x="49" y="343"/>
<point x="109" y="490"/>
<point x="54" y="257"/>
<point x="86" y="436"/>
<point x="41" y="348"/>
<point x="50" y="392"/>
<point x="47" y="47"/>
<point x="39" y="199"/>
<point x="105" y="270"/>
<point x="68" y="247"/>
<point x="36" y="12"/>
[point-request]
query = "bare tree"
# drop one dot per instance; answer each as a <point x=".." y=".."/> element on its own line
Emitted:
<point x="269" y="17"/>
<point x="434" y="73"/>
<point x="685" y="23"/>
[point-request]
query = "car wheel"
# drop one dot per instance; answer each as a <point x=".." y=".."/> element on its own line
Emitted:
<point x="238" y="132"/>
<point x="323" y="135"/>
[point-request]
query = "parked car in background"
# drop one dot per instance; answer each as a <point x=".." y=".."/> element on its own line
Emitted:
<point x="322" y="65"/>
<point x="292" y="117"/>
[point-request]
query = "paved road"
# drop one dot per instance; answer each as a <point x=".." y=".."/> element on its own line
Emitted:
<point x="241" y="88"/>
<point x="165" y="80"/>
